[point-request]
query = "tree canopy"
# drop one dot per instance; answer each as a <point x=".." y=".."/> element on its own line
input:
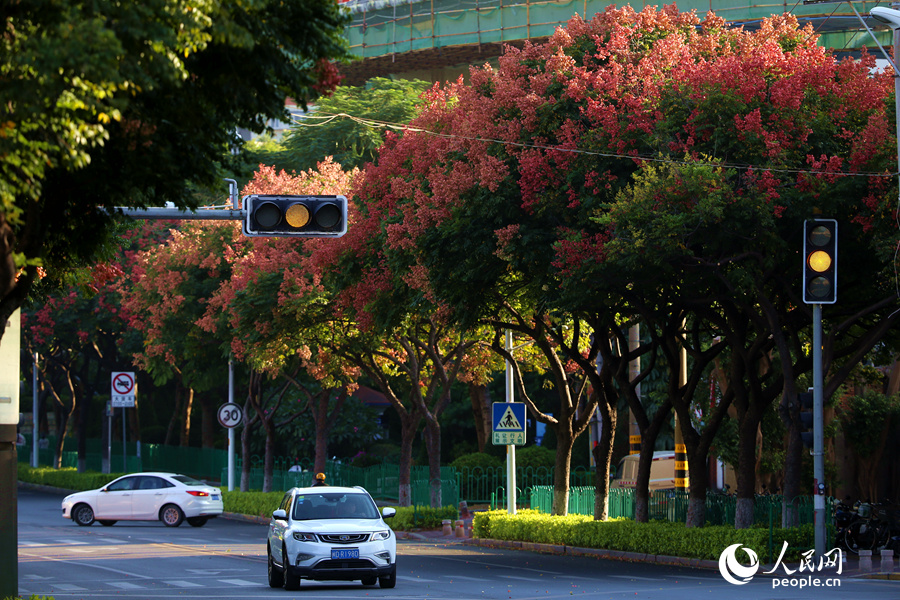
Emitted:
<point x="110" y="104"/>
<point x="654" y="166"/>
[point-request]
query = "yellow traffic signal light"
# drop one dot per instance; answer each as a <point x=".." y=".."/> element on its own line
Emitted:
<point x="295" y="216"/>
<point x="820" y="261"/>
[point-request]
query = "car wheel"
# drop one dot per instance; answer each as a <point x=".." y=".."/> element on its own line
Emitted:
<point x="389" y="581"/>
<point x="276" y="577"/>
<point x="197" y="521"/>
<point x="369" y="580"/>
<point x="291" y="581"/>
<point x="83" y="514"/>
<point x="107" y="522"/>
<point x="171" y="515"/>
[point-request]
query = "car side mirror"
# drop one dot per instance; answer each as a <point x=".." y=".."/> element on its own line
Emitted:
<point x="280" y="515"/>
<point x="388" y="512"/>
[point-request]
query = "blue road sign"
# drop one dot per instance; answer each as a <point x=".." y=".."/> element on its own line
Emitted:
<point x="508" y="420"/>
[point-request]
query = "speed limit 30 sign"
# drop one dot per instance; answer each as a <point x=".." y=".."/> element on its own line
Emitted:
<point x="230" y="415"/>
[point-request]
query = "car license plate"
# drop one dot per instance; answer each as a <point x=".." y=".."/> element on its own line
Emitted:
<point x="344" y="553"/>
<point x="215" y="496"/>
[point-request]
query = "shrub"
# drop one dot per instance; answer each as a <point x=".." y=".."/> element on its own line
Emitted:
<point x="535" y="457"/>
<point x="477" y="460"/>
<point x="657" y="538"/>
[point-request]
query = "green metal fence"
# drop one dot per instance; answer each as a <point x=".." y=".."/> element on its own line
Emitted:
<point x="479" y="485"/>
<point x="671" y="505"/>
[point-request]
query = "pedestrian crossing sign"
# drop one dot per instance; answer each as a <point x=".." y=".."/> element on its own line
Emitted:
<point x="509" y="423"/>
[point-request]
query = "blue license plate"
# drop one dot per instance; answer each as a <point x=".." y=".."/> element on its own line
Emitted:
<point x="215" y="496"/>
<point x="344" y="553"/>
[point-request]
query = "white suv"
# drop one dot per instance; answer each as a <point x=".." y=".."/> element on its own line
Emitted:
<point x="331" y="533"/>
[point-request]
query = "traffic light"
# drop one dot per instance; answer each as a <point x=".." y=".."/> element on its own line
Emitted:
<point x="805" y="399"/>
<point x="820" y="261"/>
<point x="295" y="216"/>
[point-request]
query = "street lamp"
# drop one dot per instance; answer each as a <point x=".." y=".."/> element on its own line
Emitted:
<point x="891" y="18"/>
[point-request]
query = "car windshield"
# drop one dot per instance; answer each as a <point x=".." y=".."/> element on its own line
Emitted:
<point x="333" y="505"/>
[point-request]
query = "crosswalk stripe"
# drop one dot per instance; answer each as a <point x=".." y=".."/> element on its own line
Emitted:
<point x="66" y="587"/>
<point x="124" y="585"/>
<point x="418" y="579"/>
<point x="183" y="584"/>
<point x="242" y="582"/>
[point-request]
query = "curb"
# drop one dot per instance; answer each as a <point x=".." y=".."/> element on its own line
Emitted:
<point x="561" y="550"/>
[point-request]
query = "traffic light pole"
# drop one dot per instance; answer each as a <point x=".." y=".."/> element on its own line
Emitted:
<point x="818" y="433"/>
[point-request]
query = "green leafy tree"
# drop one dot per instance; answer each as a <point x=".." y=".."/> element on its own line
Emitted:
<point x="866" y="421"/>
<point x="375" y="108"/>
<point x="115" y="104"/>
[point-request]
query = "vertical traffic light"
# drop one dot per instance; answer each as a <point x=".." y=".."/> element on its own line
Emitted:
<point x="820" y="261"/>
<point x="295" y="216"/>
<point x="805" y="400"/>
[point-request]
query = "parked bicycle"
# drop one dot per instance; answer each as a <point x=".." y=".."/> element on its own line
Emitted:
<point x="866" y="526"/>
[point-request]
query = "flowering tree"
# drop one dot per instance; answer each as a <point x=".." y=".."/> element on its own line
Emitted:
<point x="658" y="167"/>
<point x="164" y="296"/>
<point x="270" y="307"/>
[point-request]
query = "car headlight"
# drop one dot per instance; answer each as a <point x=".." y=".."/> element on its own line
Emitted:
<point x="304" y="537"/>
<point x="380" y="535"/>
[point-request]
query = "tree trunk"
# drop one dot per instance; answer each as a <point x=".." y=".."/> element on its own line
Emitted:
<point x="408" y="432"/>
<point x="433" y="446"/>
<point x="746" y="474"/>
<point x="562" y="468"/>
<point x="185" y="437"/>
<point x="245" y="450"/>
<point x="699" y="475"/>
<point x="481" y="409"/>
<point x="602" y="452"/>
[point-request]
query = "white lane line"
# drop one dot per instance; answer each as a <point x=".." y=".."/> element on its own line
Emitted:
<point x="634" y="577"/>
<point x="463" y="577"/>
<point x="529" y="579"/>
<point x="71" y="542"/>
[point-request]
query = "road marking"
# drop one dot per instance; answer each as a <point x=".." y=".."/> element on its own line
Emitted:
<point x="418" y="579"/>
<point x="529" y="579"/>
<point x="465" y="578"/>
<point x="242" y="582"/>
<point x="34" y="577"/>
<point x="183" y="584"/>
<point x="124" y="585"/>
<point x="634" y="577"/>
<point x="71" y="542"/>
<point x="66" y="587"/>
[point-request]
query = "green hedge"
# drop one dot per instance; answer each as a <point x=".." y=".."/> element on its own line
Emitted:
<point x="261" y="504"/>
<point x="657" y="537"/>
<point x="67" y="478"/>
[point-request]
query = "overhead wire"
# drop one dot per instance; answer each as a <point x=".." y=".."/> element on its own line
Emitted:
<point x="373" y="123"/>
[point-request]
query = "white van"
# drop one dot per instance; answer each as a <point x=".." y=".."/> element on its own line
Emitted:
<point x="662" y="471"/>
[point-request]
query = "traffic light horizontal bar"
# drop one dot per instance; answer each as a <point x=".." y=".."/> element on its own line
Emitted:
<point x="167" y="214"/>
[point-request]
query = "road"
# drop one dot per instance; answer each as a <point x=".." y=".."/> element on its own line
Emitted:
<point x="226" y="559"/>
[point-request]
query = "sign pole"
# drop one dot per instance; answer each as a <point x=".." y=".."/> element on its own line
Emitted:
<point x="510" y="448"/>
<point x="230" y="429"/>
<point x="818" y="433"/>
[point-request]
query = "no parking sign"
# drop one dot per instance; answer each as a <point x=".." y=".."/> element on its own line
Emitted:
<point x="123" y="389"/>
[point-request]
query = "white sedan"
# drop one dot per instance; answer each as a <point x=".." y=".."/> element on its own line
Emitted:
<point x="168" y="497"/>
